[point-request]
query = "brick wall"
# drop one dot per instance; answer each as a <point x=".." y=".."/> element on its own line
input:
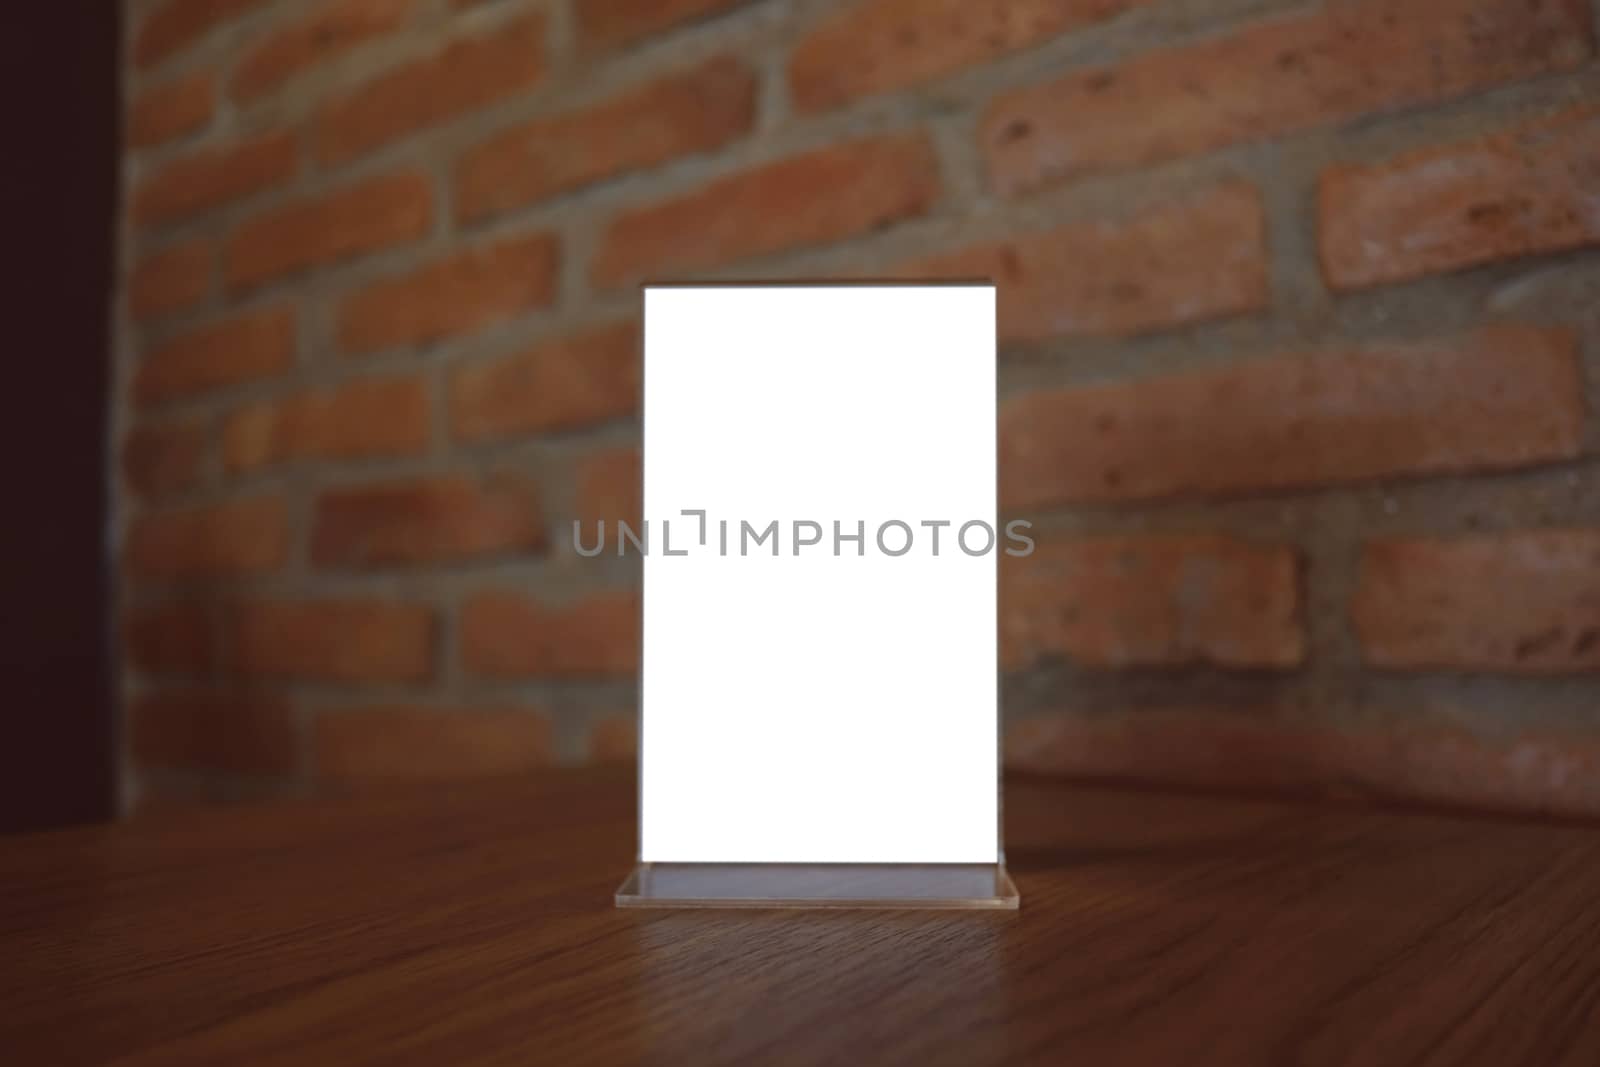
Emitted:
<point x="1300" y="320"/>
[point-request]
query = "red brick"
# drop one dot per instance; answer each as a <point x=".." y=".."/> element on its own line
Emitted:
<point x="1520" y="192"/>
<point x="177" y="24"/>
<point x="1504" y="397"/>
<point x="212" y="177"/>
<point x="248" y="347"/>
<point x="1334" y="62"/>
<point x="409" y="743"/>
<point x="812" y="199"/>
<point x="333" y="640"/>
<point x="508" y="635"/>
<point x="162" y="797"/>
<point x="463" y="76"/>
<point x="604" y="24"/>
<point x="466" y="291"/>
<point x="1537" y="772"/>
<point x="610" y="488"/>
<point x="214" y="730"/>
<point x="687" y="112"/>
<point x="883" y="45"/>
<point x="1526" y="602"/>
<point x="426" y="520"/>
<point x="614" y="739"/>
<point x="171" y="109"/>
<point x="1152" y="601"/>
<point x="557" y="385"/>
<point x="1197" y="258"/>
<point x="354" y="220"/>
<point x="244" y="536"/>
<point x="356" y="420"/>
<point x="178" y="637"/>
<point x="164" y="457"/>
<point x="173" y="279"/>
<point x="324" y="33"/>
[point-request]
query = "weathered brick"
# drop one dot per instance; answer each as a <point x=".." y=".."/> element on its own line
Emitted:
<point x="177" y="24"/>
<point x="322" y="34"/>
<point x="175" y="638"/>
<point x="1333" y="62"/>
<point x="1526" y="602"/>
<point x="508" y="635"/>
<point x="211" y="729"/>
<point x="332" y="640"/>
<point x="164" y="457"/>
<point x="247" y="347"/>
<point x="161" y="795"/>
<point x="172" y="279"/>
<point x="371" y="417"/>
<point x="772" y="208"/>
<point x="425" y="743"/>
<point x="354" y="220"/>
<point x="610" y="489"/>
<point x="1152" y="601"/>
<point x="244" y="536"/>
<point x="461" y="293"/>
<point x="171" y="109"/>
<point x="614" y="739"/>
<point x="426" y="520"/>
<point x="557" y="385"/>
<point x="604" y="24"/>
<point x="462" y="76"/>
<point x="1196" y="258"/>
<point x="882" y="45"/>
<point x="209" y="178"/>
<point x="1533" y="771"/>
<point x="683" y="113"/>
<point x="1504" y="397"/>
<point x="1518" y="192"/>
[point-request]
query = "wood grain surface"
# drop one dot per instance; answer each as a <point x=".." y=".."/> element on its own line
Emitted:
<point x="475" y="925"/>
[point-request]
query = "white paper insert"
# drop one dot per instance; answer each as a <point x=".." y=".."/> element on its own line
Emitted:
<point x="815" y="707"/>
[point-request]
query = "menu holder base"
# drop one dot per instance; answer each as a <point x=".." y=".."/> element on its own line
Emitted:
<point x="947" y="886"/>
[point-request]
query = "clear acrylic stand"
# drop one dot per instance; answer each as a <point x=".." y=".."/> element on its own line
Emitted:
<point x="953" y="886"/>
<point x="949" y="321"/>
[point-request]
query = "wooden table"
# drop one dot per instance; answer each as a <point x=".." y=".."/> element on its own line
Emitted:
<point x="474" y="925"/>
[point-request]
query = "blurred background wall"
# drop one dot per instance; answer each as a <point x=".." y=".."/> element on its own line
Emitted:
<point x="1300" y="333"/>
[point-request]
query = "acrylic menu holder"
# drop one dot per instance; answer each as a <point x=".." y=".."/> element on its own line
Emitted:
<point x="818" y="717"/>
